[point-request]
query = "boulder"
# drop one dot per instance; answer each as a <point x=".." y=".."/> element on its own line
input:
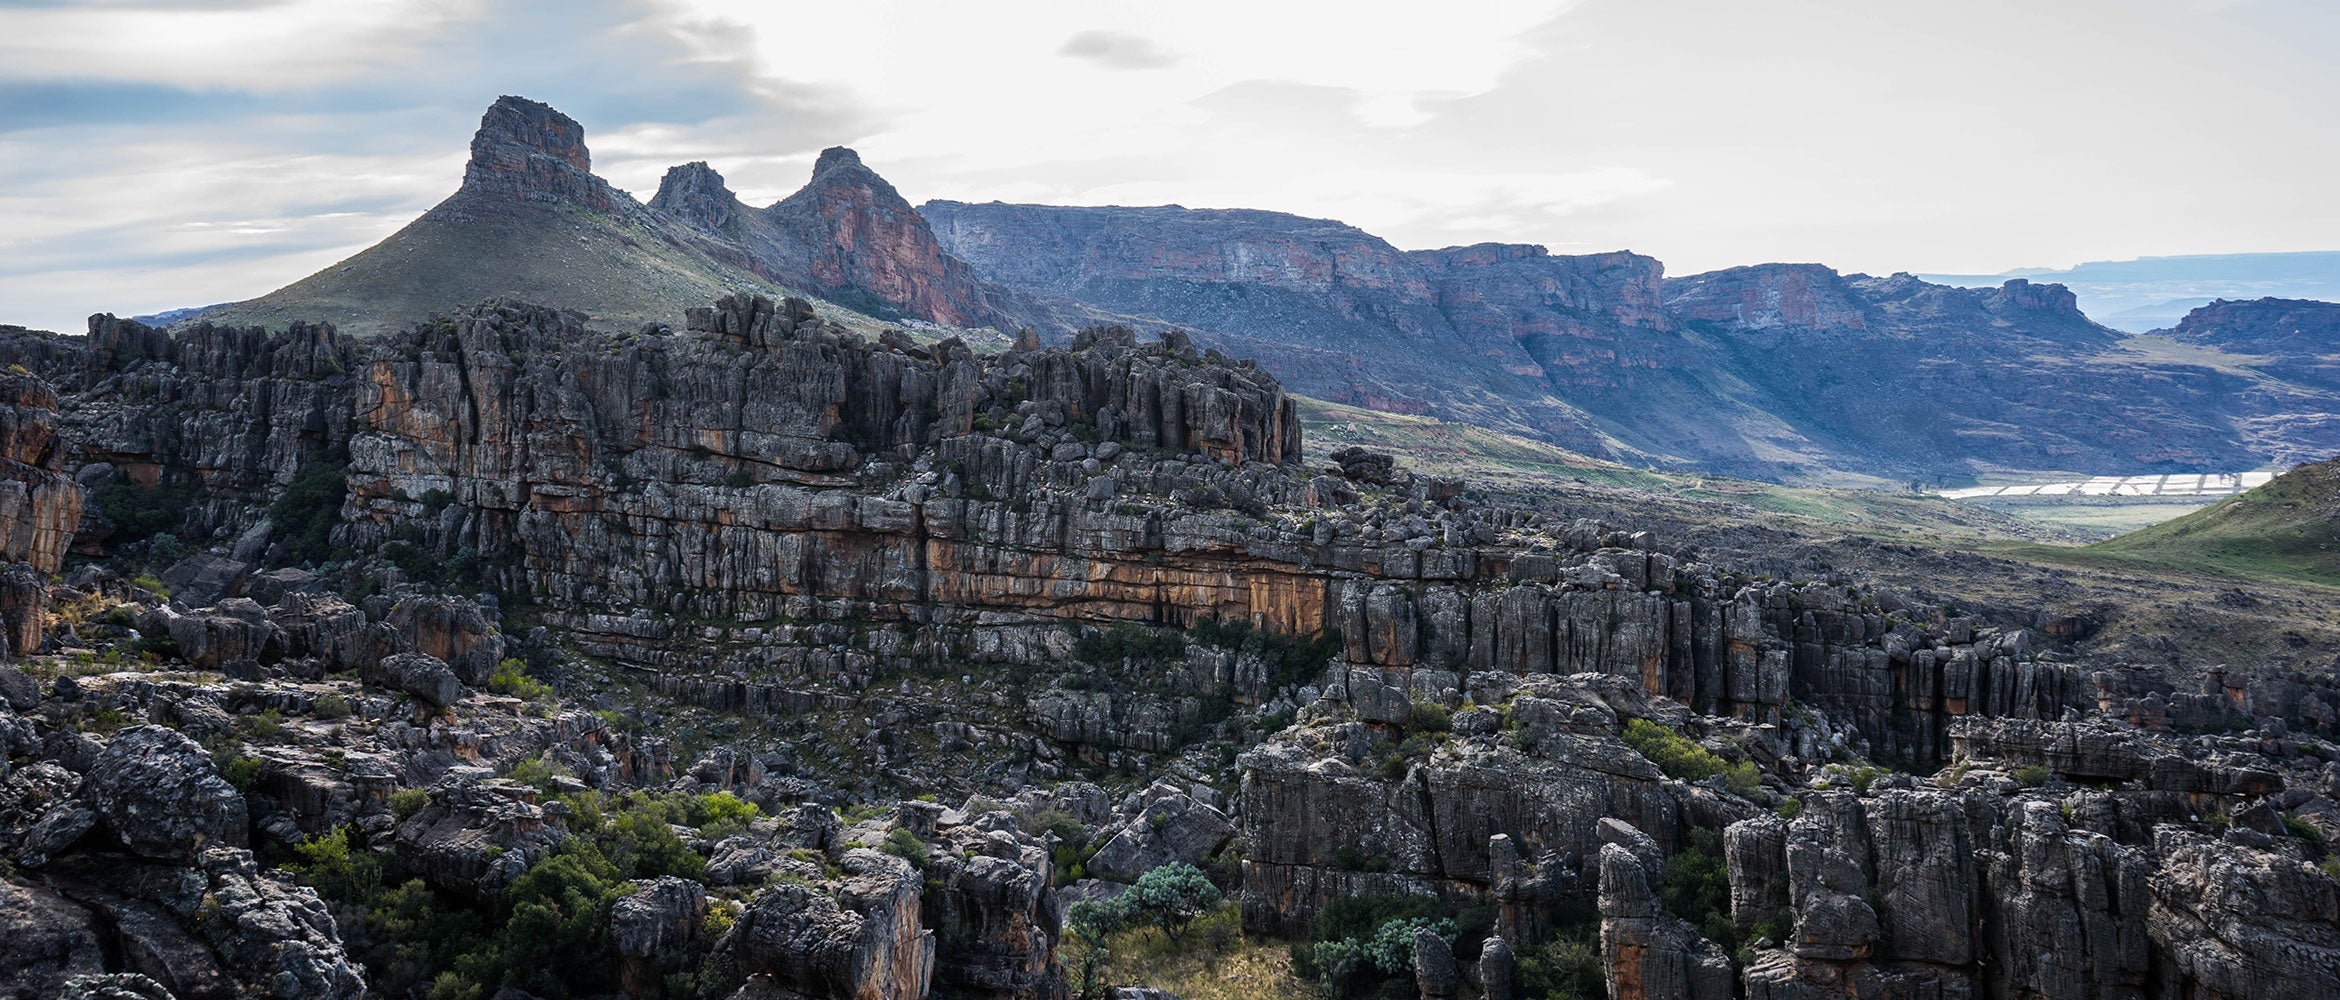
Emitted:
<point x="161" y="796"/>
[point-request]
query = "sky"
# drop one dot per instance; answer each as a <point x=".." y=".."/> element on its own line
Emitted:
<point x="165" y="154"/>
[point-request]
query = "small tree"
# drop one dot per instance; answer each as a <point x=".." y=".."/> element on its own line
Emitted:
<point x="1171" y="897"/>
<point x="1092" y="923"/>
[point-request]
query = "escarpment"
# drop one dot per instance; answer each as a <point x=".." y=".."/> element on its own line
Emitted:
<point x="492" y="596"/>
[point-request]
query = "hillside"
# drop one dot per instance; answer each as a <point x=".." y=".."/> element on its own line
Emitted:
<point x="532" y="221"/>
<point x="2289" y="527"/>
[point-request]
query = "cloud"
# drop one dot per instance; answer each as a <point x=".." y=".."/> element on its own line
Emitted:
<point x="155" y="155"/>
<point x="1117" y="50"/>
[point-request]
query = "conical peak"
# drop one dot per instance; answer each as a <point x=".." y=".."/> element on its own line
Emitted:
<point x="695" y="193"/>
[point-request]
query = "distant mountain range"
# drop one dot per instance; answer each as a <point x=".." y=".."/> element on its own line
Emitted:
<point x="1787" y="372"/>
<point x="2154" y="293"/>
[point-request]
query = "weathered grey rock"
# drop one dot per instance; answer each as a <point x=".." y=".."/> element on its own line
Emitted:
<point x="1649" y="955"/>
<point x="162" y="798"/>
<point x="857" y="938"/>
<point x="1498" y="970"/>
<point x="422" y="675"/>
<point x="1436" y="976"/>
<point x="113" y="986"/>
<point x="49" y="940"/>
<point x="1173" y="827"/>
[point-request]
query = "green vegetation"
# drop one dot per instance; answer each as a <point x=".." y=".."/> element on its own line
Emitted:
<point x="1170" y="898"/>
<point x="511" y="678"/>
<point x="1363" y="945"/>
<point x="1129" y="641"/>
<point x="1291" y="658"/>
<point x="1698" y="887"/>
<point x="903" y="844"/>
<point x="406" y="802"/>
<point x="548" y="933"/>
<point x="2289" y="528"/>
<point x="304" y="514"/>
<point x="139" y="513"/>
<point x="1679" y="757"/>
<point x="2032" y="776"/>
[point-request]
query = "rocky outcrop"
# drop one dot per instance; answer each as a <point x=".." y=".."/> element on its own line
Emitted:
<point x="1648" y="954"/>
<point x="525" y="149"/>
<point x="848" y="230"/>
<point x="855" y="937"/>
<point x="160" y="795"/>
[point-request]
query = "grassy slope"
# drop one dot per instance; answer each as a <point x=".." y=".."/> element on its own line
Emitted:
<point x="466" y="251"/>
<point x="1514" y="463"/>
<point x="2289" y="527"/>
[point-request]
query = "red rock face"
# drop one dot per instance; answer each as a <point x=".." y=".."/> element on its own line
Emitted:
<point x="527" y="149"/>
<point x="852" y="231"/>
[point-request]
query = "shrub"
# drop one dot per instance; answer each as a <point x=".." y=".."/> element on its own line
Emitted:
<point x="2032" y="776"/>
<point x="331" y="706"/>
<point x="140" y="513"/>
<point x="240" y="771"/>
<point x="1430" y="717"/>
<point x="338" y="872"/>
<point x="1698" y="887"/>
<point x="2303" y="829"/>
<point x="1170" y="897"/>
<point x="1127" y="641"/>
<point x="1567" y="967"/>
<point x="406" y="802"/>
<point x="903" y="844"/>
<point x="1679" y="757"/>
<point x="511" y="678"/>
<point x="305" y="513"/>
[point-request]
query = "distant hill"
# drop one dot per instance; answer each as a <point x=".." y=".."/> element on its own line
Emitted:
<point x="2152" y="293"/>
<point x="531" y="221"/>
<point x="2288" y="527"/>
<point x="1786" y="372"/>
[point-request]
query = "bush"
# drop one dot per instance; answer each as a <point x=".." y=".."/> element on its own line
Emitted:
<point x="1679" y="757"/>
<point x="1567" y="967"/>
<point x="1430" y="717"/>
<point x="2032" y="776"/>
<point x="1170" y="897"/>
<point x="903" y="844"/>
<point x="140" y="513"/>
<point x="1291" y="659"/>
<point x="331" y="706"/>
<point x="1127" y="641"/>
<point x="338" y="872"/>
<point x="1698" y="887"/>
<point x="405" y="802"/>
<point x="511" y="678"/>
<point x="304" y="514"/>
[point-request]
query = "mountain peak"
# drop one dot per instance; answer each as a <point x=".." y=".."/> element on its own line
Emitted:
<point x="529" y="150"/>
<point x="696" y="194"/>
<point x="836" y="157"/>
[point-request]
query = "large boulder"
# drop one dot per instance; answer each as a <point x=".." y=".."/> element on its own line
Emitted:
<point x="858" y="937"/>
<point x="163" y="798"/>
<point x="422" y="675"/>
<point x="1173" y="827"/>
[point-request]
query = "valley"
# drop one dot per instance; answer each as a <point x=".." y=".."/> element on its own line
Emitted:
<point x="582" y="597"/>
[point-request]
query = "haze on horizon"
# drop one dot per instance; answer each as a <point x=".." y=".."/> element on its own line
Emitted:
<point x="160" y="154"/>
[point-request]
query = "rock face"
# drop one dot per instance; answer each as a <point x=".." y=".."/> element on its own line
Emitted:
<point x="160" y="795"/>
<point x="858" y="938"/>
<point x="1750" y="371"/>
<point x="528" y="150"/>
<point x="40" y="509"/>
<point x="848" y="230"/>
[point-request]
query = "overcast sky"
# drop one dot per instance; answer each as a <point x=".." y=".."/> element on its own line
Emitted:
<point x="163" y="154"/>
